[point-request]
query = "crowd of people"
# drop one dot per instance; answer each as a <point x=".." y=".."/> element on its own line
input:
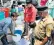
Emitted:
<point x="34" y="24"/>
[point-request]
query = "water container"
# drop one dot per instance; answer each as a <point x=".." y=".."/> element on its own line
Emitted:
<point x="2" y="16"/>
<point x="6" y="10"/>
<point x="18" y="32"/>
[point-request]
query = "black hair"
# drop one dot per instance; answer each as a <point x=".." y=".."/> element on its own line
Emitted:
<point x="19" y="3"/>
<point x="23" y="6"/>
<point x="35" y="3"/>
<point x="13" y="6"/>
<point x="28" y="1"/>
<point x="14" y="14"/>
<point x="14" y="2"/>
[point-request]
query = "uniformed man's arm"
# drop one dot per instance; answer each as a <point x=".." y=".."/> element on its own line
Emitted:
<point x="44" y="41"/>
<point x="49" y="28"/>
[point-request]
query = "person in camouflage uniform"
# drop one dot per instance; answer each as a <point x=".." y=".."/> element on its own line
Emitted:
<point x="44" y="27"/>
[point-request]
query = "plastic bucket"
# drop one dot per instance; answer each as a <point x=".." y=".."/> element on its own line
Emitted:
<point x="2" y="16"/>
<point x="18" y="32"/>
<point x="6" y="10"/>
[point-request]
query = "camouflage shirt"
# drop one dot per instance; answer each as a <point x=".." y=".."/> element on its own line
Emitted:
<point x="44" y="27"/>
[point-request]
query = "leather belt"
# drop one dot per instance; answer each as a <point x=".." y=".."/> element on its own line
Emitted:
<point x="38" y="38"/>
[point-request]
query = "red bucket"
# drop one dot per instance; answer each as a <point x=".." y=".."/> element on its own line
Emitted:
<point x="6" y="10"/>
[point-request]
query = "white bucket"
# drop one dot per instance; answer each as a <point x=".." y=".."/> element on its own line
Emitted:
<point x="18" y="32"/>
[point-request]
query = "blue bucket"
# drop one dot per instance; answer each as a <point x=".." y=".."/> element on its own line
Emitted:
<point x="18" y="32"/>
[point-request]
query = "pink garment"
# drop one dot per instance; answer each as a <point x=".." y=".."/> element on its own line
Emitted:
<point x="43" y="2"/>
<point x="30" y="14"/>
